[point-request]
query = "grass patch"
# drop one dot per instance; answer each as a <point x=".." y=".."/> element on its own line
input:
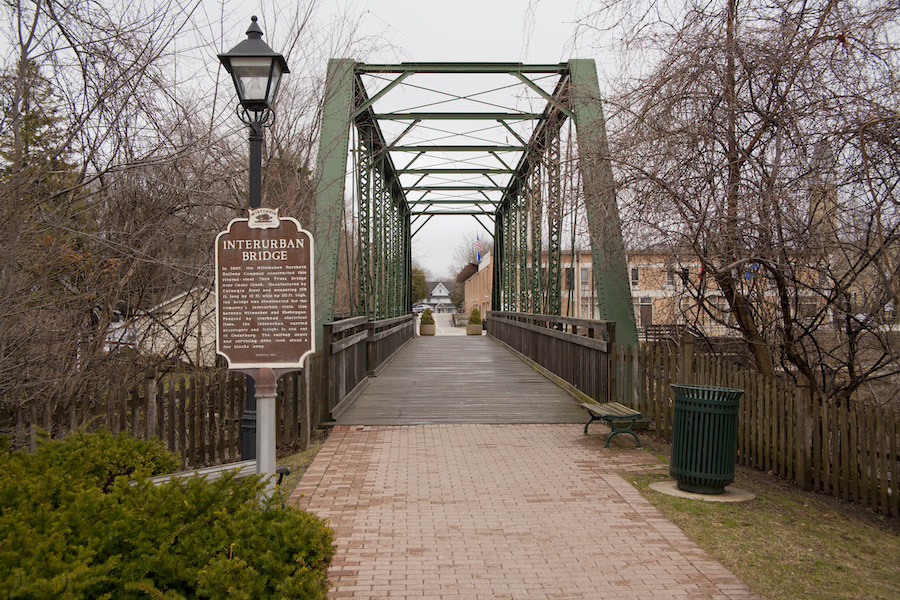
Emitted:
<point x="788" y="543"/>
<point x="300" y="461"/>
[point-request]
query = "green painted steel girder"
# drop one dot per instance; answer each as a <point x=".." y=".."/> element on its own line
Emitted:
<point x="551" y="98"/>
<point x="465" y="213"/>
<point x="458" y="116"/>
<point x="456" y="201"/>
<point x="450" y="171"/>
<point x="364" y="106"/>
<point x="607" y="247"/>
<point x="455" y="188"/>
<point x="331" y="167"/>
<point x="461" y="67"/>
<point x="460" y="148"/>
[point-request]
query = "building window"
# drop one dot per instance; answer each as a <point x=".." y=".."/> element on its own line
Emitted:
<point x="635" y="276"/>
<point x="585" y="277"/>
<point x="807" y="308"/>
<point x="670" y="278"/>
<point x="646" y="311"/>
<point x="721" y="312"/>
<point x="570" y="278"/>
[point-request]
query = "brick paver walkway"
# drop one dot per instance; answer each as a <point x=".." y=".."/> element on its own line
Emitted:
<point x="498" y="511"/>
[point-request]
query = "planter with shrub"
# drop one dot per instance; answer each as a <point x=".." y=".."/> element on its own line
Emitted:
<point x="473" y="327"/>
<point x="426" y="323"/>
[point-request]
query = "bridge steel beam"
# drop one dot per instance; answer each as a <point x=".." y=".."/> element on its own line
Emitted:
<point x="515" y="205"/>
<point x="331" y="168"/>
<point x="607" y="247"/>
<point x="553" y="305"/>
<point x="388" y="256"/>
<point x="383" y="263"/>
<point x="535" y="216"/>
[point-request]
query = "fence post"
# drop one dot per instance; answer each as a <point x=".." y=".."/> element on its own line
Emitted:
<point x="304" y="394"/>
<point x="635" y="377"/>
<point x="687" y="367"/>
<point x="150" y="395"/>
<point x="612" y="394"/>
<point x="802" y="433"/>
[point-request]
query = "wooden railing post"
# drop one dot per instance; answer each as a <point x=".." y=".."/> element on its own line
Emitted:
<point x="325" y="365"/>
<point x="612" y="393"/>
<point x="371" y="358"/>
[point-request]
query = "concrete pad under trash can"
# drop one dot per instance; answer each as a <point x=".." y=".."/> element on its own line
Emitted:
<point x="732" y="494"/>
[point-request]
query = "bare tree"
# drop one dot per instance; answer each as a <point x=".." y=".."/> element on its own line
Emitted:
<point x="117" y="178"/>
<point x="760" y="140"/>
<point x="466" y="251"/>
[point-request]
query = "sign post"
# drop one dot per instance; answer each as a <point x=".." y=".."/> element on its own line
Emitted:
<point x="265" y="321"/>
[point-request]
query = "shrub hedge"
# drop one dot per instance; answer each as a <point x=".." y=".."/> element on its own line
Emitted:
<point x="72" y="526"/>
<point x="475" y="317"/>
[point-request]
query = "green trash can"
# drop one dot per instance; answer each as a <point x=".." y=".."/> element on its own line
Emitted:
<point x="704" y="437"/>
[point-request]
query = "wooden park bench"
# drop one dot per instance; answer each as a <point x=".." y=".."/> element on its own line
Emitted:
<point x="620" y="418"/>
<point x="243" y="468"/>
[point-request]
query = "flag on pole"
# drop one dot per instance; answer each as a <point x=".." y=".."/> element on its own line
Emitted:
<point x="477" y="248"/>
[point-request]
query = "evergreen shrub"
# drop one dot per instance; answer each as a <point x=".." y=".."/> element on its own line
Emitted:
<point x="475" y="317"/>
<point x="73" y="526"/>
<point x="427" y="319"/>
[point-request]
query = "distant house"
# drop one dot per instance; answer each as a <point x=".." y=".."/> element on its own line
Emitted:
<point x="439" y="297"/>
<point x="182" y="328"/>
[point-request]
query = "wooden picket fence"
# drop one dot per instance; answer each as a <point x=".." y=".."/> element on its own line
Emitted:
<point x="850" y="452"/>
<point x="196" y="415"/>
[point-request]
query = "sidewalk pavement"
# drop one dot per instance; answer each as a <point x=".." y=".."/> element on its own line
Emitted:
<point x="500" y="512"/>
<point x="443" y="325"/>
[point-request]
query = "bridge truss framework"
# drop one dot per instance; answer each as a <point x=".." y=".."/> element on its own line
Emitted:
<point x="413" y="141"/>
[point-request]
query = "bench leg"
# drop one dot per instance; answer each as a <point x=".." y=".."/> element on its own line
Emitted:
<point x="593" y="418"/>
<point x="615" y="430"/>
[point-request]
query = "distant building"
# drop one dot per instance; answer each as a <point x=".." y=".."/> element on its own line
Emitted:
<point x="657" y="281"/>
<point x="439" y="296"/>
<point x="182" y="328"/>
<point x="478" y="285"/>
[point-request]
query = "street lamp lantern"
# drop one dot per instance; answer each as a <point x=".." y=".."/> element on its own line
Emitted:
<point x="256" y="70"/>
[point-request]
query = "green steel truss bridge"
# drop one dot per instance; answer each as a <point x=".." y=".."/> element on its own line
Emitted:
<point x="520" y="148"/>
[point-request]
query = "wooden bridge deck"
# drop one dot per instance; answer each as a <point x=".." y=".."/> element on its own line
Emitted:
<point x="460" y="379"/>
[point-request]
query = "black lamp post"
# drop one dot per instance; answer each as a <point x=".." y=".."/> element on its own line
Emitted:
<point x="256" y="70"/>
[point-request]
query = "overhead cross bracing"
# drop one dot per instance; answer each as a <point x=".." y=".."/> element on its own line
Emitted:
<point x="456" y="134"/>
<point x="402" y="144"/>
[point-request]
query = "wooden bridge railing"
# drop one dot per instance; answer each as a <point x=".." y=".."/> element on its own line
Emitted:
<point x="354" y="349"/>
<point x="575" y="350"/>
<point x="386" y="337"/>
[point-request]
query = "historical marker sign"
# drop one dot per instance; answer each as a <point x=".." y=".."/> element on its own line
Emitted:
<point x="264" y="292"/>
